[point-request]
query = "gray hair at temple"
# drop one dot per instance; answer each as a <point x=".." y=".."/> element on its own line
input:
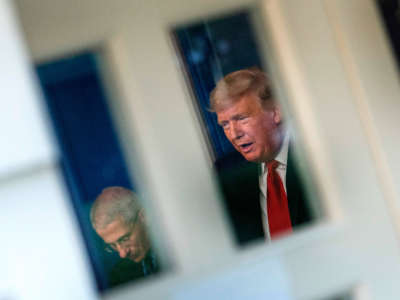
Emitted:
<point x="235" y="85"/>
<point x="113" y="203"/>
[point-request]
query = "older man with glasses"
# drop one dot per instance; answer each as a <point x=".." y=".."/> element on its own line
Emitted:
<point x="119" y="220"/>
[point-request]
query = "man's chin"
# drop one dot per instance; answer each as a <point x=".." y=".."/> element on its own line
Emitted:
<point x="251" y="157"/>
<point x="137" y="258"/>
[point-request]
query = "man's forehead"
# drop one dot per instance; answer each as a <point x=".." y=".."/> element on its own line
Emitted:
<point x="113" y="231"/>
<point x="226" y="113"/>
<point x="245" y="104"/>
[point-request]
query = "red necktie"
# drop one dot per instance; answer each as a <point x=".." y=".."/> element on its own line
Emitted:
<point x="277" y="204"/>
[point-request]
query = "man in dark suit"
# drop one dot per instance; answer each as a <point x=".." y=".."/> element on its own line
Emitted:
<point x="119" y="220"/>
<point x="261" y="184"/>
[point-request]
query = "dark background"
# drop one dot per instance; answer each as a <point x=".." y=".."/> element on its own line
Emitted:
<point x="390" y="13"/>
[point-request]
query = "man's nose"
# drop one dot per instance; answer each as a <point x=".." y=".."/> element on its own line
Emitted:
<point x="236" y="131"/>
<point x="121" y="251"/>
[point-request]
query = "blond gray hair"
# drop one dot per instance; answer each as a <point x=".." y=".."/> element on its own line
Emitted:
<point x="114" y="203"/>
<point x="235" y="85"/>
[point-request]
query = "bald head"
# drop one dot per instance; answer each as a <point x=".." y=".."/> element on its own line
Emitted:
<point x="118" y="219"/>
<point x="112" y="204"/>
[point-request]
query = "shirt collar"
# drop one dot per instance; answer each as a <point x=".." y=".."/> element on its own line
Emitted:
<point x="283" y="152"/>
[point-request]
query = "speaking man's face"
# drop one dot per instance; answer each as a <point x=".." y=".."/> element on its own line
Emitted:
<point x="129" y="240"/>
<point x="254" y="131"/>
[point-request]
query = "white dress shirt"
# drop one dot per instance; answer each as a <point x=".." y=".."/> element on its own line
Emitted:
<point x="281" y="169"/>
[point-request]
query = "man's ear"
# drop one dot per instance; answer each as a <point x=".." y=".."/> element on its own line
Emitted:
<point x="277" y="115"/>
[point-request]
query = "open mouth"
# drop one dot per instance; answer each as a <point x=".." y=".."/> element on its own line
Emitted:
<point x="246" y="147"/>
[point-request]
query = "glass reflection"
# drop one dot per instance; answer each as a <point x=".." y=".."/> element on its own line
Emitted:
<point x="252" y="145"/>
<point x="92" y="160"/>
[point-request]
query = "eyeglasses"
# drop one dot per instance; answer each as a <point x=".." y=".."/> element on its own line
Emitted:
<point x="123" y="241"/>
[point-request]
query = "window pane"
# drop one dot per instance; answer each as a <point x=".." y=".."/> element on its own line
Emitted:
<point x="94" y="166"/>
<point x="246" y="128"/>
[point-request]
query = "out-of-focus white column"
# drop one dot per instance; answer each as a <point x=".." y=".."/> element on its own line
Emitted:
<point x="41" y="254"/>
<point x="24" y="140"/>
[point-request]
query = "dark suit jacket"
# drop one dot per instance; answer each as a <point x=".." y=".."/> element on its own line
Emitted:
<point x="126" y="270"/>
<point x="240" y="187"/>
